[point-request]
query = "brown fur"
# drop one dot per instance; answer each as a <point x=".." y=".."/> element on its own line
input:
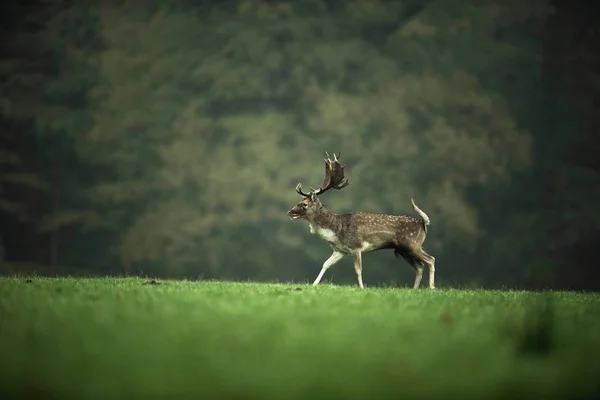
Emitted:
<point x="356" y="233"/>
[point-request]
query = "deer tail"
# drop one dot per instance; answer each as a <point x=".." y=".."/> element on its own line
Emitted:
<point x="422" y="215"/>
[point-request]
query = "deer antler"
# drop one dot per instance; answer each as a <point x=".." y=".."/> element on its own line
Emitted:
<point x="334" y="176"/>
<point x="300" y="192"/>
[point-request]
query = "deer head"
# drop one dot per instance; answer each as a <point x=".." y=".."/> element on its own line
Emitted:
<point x="334" y="178"/>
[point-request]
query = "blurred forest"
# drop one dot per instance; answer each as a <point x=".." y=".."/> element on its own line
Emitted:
<point x="166" y="138"/>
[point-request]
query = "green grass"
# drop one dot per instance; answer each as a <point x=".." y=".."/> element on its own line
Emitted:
<point x="123" y="339"/>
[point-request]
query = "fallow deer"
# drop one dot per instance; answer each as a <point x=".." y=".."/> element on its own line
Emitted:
<point x="359" y="232"/>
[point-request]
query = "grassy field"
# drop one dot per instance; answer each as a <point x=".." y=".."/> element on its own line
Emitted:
<point x="130" y="339"/>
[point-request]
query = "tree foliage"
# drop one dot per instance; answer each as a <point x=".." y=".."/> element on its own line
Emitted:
<point x="192" y="124"/>
<point x="216" y="144"/>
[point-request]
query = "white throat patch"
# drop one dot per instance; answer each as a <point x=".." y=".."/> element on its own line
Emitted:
<point x="327" y="234"/>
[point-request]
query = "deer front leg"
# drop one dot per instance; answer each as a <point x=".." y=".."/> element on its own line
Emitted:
<point x="357" y="257"/>
<point x="335" y="257"/>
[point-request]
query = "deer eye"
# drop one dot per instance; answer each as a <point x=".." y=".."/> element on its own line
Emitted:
<point x="304" y="205"/>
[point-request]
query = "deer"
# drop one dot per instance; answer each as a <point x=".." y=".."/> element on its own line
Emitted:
<point x="361" y="232"/>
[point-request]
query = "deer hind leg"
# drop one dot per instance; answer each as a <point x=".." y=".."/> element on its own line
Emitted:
<point x="414" y="262"/>
<point x="419" y="273"/>
<point x="430" y="261"/>
<point x="335" y="257"/>
<point x="357" y="258"/>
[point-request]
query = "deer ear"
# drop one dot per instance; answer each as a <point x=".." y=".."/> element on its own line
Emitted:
<point x="313" y="197"/>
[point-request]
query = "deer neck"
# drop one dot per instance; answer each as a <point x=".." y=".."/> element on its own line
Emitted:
<point x="322" y="220"/>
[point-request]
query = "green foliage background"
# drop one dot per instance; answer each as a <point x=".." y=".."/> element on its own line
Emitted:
<point x="167" y="138"/>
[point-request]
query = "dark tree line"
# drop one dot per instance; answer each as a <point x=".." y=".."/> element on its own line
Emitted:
<point x="166" y="139"/>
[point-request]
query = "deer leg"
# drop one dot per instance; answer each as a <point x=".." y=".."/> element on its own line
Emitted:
<point x="419" y="274"/>
<point x="357" y="257"/>
<point x="335" y="257"/>
<point x="432" y="273"/>
<point x="430" y="261"/>
<point x="414" y="262"/>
